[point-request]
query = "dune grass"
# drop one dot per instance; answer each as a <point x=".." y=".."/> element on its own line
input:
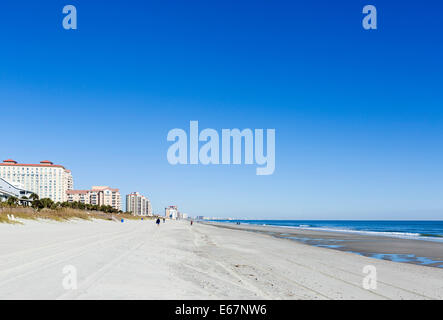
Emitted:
<point x="130" y="216"/>
<point x="60" y="215"/>
<point x="4" y="218"/>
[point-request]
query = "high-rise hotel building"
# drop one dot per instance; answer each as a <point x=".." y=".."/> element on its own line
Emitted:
<point x="102" y="196"/>
<point x="138" y="205"/>
<point x="45" y="179"/>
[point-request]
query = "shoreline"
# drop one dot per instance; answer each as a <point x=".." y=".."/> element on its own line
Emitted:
<point x="403" y="250"/>
<point x="389" y="234"/>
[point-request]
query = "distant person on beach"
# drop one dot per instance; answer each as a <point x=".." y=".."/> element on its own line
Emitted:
<point x="158" y="221"/>
<point x="192" y="222"/>
<point x="164" y="220"/>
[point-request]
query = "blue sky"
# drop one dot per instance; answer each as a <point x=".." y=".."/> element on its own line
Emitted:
<point x="358" y="114"/>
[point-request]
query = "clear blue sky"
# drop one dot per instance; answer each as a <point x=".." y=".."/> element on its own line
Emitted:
<point x="358" y="114"/>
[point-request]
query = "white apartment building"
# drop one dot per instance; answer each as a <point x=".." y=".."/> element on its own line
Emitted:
<point x="149" y="207"/>
<point x="171" y="212"/>
<point x="45" y="179"/>
<point x="138" y="205"/>
<point x="99" y="195"/>
<point x="16" y="190"/>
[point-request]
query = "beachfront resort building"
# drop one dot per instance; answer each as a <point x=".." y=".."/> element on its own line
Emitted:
<point x="98" y="195"/>
<point x="171" y="212"/>
<point x="46" y="179"/>
<point x="15" y="190"/>
<point x="138" y="205"/>
<point x="83" y="196"/>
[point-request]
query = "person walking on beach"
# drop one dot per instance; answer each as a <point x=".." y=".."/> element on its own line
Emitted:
<point x="164" y="220"/>
<point x="158" y="221"/>
<point x="192" y="222"/>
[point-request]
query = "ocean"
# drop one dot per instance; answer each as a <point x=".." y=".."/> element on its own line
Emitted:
<point x="420" y="230"/>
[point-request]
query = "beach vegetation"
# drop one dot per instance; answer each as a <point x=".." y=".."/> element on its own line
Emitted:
<point x="47" y="209"/>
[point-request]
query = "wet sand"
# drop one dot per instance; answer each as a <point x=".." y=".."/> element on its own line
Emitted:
<point x="421" y="252"/>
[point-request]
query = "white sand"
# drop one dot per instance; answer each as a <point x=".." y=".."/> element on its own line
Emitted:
<point x="138" y="260"/>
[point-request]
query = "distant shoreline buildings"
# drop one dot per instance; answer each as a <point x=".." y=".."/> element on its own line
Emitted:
<point x="49" y="180"/>
<point x="53" y="181"/>
<point x="172" y="212"/>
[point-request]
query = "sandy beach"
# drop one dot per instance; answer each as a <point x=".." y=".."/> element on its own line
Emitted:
<point x="139" y="260"/>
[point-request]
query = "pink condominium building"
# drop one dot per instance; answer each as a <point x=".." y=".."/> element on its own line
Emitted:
<point x="98" y="195"/>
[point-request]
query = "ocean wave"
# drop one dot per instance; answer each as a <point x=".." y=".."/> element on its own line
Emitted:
<point x="393" y="234"/>
<point x="389" y="231"/>
<point x="348" y="230"/>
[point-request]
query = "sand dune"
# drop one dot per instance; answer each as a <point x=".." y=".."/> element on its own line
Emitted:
<point x="138" y="260"/>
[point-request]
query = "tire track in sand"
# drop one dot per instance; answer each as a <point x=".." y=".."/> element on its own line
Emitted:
<point x="38" y="265"/>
